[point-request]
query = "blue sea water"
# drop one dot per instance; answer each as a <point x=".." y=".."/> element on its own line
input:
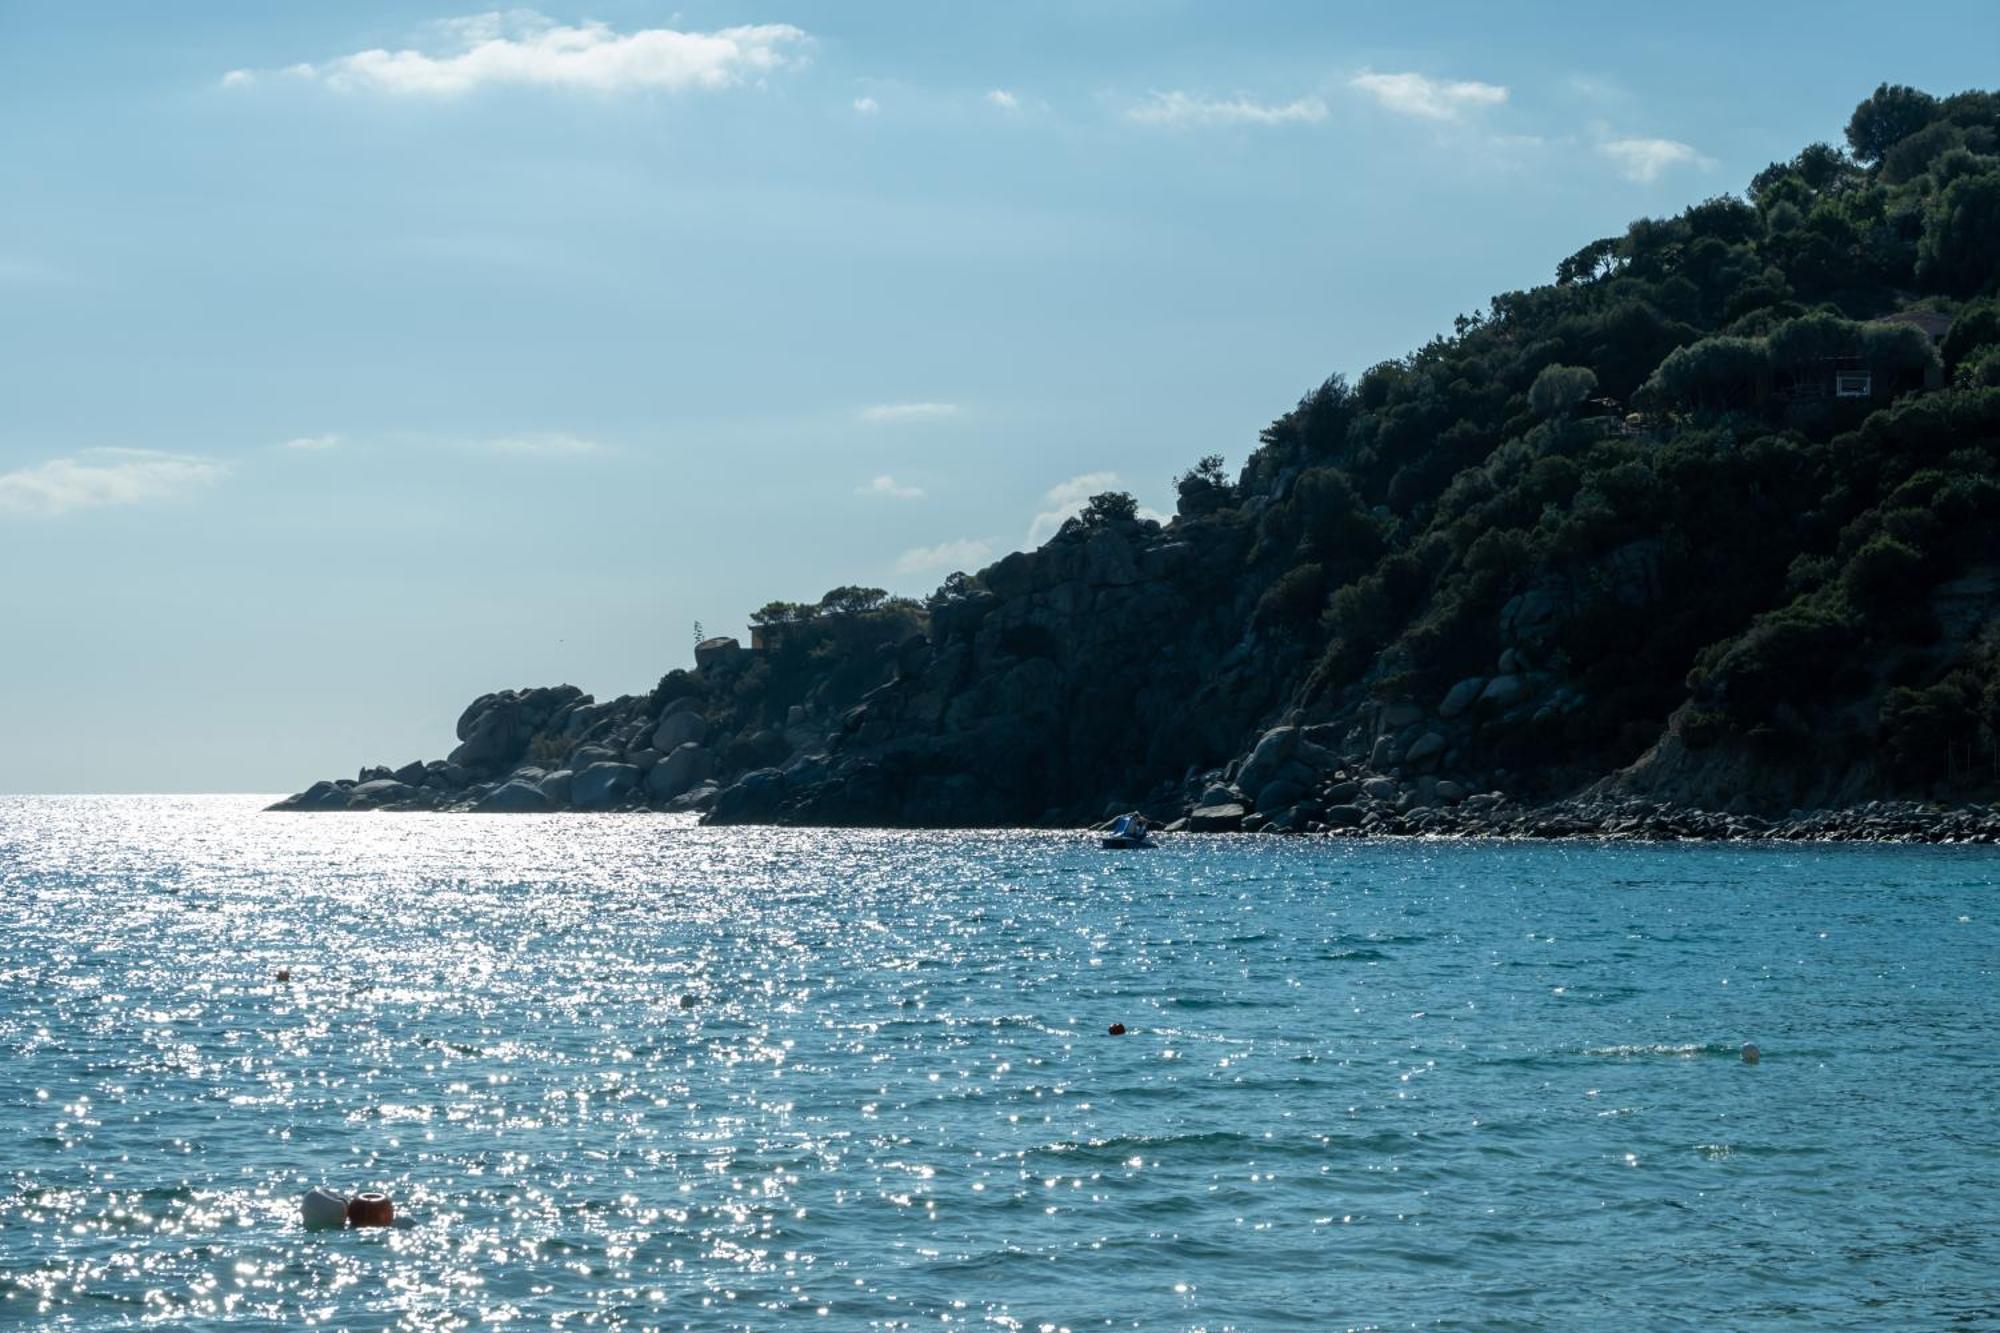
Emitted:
<point x="1364" y="1085"/>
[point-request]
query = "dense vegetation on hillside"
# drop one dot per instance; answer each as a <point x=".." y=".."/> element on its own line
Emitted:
<point x="1711" y="516"/>
<point x="1659" y="434"/>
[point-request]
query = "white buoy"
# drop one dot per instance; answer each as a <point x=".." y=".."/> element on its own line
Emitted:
<point x="323" y="1210"/>
<point x="1751" y="1055"/>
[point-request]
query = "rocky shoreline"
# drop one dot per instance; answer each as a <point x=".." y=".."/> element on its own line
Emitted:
<point x="1653" y="821"/>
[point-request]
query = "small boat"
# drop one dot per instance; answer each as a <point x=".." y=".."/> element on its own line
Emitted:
<point x="1127" y="831"/>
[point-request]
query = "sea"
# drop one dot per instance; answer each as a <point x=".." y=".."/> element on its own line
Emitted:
<point x="624" y="1072"/>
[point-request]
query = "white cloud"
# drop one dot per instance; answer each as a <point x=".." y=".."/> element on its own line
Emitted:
<point x="886" y="487"/>
<point x="1065" y="500"/>
<point x="98" y="478"/>
<point x="525" y="49"/>
<point x="889" y="413"/>
<point x="1426" y="98"/>
<point x="1645" y="160"/>
<point x="944" y="557"/>
<point x="1003" y="99"/>
<point x="866" y="106"/>
<point x="312" y="443"/>
<point x="555" y="445"/>
<point x="1184" y="109"/>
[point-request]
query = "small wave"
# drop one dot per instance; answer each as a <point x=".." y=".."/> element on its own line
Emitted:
<point x="1687" y="1050"/>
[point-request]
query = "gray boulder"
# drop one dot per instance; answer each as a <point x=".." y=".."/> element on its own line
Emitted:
<point x="1461" y="697"/>
<point x="1379" y="789"/>
<point x="1424" y="749"/>
<point x="687" y="765"/>
<point x="599" y="786"/>
<point x="1344" y="816"/>
<point x="754" y="796"/>
<point x="678" y="729"/>
<point x="1448" y="790"/>
<point x="1225" y="818"/>
<point x="1279" y="792"/>
<point x="1273" y="749"/>
<point x="512" y="798"/>
<point x="380" y="791"/>
<point x="1503" y="692"/>
<point x="556" y="786"/>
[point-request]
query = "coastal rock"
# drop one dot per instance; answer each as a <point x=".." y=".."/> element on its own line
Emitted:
<point x="599" y="786"/>
<point x="1503" y="692"/>
<point x="751" y="798"/>
<point x="556" y="786"/>
<point x="1225" y="818"/>
<point x="1461" y="697"/>
<point x="1272" y="750"/>
<point x="512" y="798"/>
<point x="1380" y="789"/>
<point x="1424" y="749"/>
<point x="380" y="791"/>
<point x="679" y="771"/>
<point x="679" y="728"/>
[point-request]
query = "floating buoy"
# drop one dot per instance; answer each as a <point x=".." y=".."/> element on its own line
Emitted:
<point x="284" y="974"/>
<point x="371" y="1210"/>
<point x="1117" y="1029"/>
<point x="322" y="1210"/>
<point x="1751" y="1055"/>
<point x="688" y="1001"/>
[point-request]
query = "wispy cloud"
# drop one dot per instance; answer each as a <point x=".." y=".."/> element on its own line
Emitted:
<point x="102" y="478"/>
<point x="886" y="487"/>
<point x="312" y="443"/>
<point x="1003" y="99"/>
<point x="866" y="106"/>
<point x="554" y="445"/>
<point x="1646" y="160"/>
<point x="945" y="556"/>
<point x="1425" y="98"/>
<point x="524" y="49"/>
<point x="891" y="413"/>
<point x="1178" y="109"/>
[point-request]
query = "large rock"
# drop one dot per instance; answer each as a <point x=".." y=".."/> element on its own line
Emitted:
<point x="1503" y="692"/>
<point x="1225" y="818"/>
<point x="1344" y="816"/>
<point x="754" y="796"/>
<point x="512" y="798"/>
<point x="719" y="651"/>
<point x="556" y="786"/>
<point x="680" y="770"/>
<point x="494" y="730"/>
<point x="679" y="728"/>
<point x="1272" y="751"/>
<point x="1424" y="749"/>
<point x="1280" y="792"/>
<point x="380" y="791"/>
<point x="1461" y="697"/>
<point x="1380" y="789"/>
<point x="599" y="786"/>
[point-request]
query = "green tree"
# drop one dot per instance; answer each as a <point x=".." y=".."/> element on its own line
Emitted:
<point x="1892" y="113"/>
<point x="1960" y="249"/>
<point x="1558" y="389"/>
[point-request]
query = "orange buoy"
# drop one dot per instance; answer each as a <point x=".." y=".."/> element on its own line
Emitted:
<point x="371" y="1209"/>
<point x="1117" y="1029"/>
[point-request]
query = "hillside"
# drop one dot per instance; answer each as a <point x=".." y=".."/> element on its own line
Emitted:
<point x="1707" y="520"/>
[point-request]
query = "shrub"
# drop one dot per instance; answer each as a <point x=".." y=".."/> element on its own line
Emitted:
<point x="1882" y="578"/>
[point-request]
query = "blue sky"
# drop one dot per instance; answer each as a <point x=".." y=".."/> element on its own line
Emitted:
<point x="357" y="359"/>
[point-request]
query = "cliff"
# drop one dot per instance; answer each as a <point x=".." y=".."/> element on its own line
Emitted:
<point x="1709" y="520"/>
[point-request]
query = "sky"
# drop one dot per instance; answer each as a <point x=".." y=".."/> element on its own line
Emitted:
<point x="359" y="359"/>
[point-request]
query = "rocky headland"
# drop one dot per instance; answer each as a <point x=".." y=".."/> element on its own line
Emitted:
<point x="1701" y="540"/>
